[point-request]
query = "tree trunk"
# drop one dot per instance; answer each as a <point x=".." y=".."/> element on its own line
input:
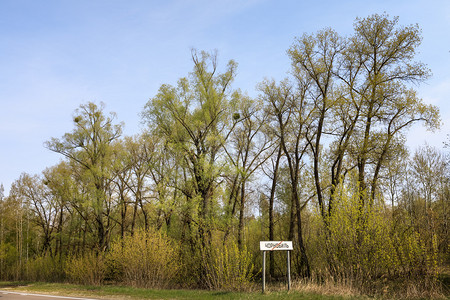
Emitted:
<point x="241" y="216"/>
<point x="303" y="268"/>
<point x="271" y="220"/>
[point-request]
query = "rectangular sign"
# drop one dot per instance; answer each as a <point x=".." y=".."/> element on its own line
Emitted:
<point x="275" y="245"/>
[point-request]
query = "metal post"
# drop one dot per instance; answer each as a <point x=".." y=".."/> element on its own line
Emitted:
<point x="264" y="272"/>
<point x="289" y="270"/>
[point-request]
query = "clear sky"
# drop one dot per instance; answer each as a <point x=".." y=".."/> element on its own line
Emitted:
<point x="58" y="54"/>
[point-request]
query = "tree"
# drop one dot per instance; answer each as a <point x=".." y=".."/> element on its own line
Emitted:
<point x="61" y="186"/>
<point x="246" y="152"/>
<point x="88" y="146"/>
<point x="195" y="119"/>
<point x="289" y="118"/>
<point x="429" y="170"/>
<point x="41" y="204"/>
<point x="18" y="224"/>
<point x="313" y="59"/>
<point x="272" y="173"/>
<point x="385" y="53"/>
<point x="121" y="176"/>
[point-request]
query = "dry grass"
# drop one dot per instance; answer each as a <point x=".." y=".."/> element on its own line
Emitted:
<point x="416" y="288"/>
<point x="327" y="287"/>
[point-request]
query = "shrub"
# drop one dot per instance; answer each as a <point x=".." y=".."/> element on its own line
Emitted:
<point x="89" y="268"/>
<point x="44" y="268"/>
<point x="146" y="259"/>
<point x="229" y="268"/>
<point x="8" y="262"/>
<point x="367" y="245"/>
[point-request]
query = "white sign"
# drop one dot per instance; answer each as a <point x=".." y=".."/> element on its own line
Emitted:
<point x="275" y="245"/>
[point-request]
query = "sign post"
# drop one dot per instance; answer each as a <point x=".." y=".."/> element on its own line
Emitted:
<point x="264" y="272"/>
<point x="273" y="246"/>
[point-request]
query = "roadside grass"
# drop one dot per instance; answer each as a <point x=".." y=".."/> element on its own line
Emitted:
<point x="121" y="292"/>
<point x="11" y="284"/>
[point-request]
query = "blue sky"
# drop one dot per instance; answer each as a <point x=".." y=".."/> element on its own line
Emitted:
<point x="56" y="55"/>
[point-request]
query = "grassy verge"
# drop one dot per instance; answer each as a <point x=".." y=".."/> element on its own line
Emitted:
<point x="119" y="292"/>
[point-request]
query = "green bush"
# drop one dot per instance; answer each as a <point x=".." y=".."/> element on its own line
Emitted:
<point x="146" y="259"/>
<point x="365" y="244"/>
<point x="229" y="268"/>
<point x="44" y="268"/>
<point x="89" y="268"/>
<point x="8" y="262"/>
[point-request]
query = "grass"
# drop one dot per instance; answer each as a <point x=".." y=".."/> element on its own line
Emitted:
<point x="303" y="290"/>
<point x="120" y="292"/>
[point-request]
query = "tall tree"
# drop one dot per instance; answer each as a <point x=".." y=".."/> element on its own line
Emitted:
<point x="60" y="184"/>
<point x="89" y="147"/>
<point x="272" y="173"/>
<point x="41" y="203"/>
<point x="247" y="151"/>
<point x="313" y="59"/>
<point x="386" y="52"/>
<point x="289" y="118"/>
<point x="195" y="118"/>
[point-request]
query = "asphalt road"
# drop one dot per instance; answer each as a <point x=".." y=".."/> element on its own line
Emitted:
<point x="6" y="295"/>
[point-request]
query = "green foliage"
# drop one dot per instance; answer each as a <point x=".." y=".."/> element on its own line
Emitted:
<point x="89" y="268"/>
<point x="145" y="259"/>
<point x="8" y="260"/>
<point x="230" y="268"/>
<point x="367" y="245"/>
<point x="89" y="147"/>
<point x="44" y="268"/>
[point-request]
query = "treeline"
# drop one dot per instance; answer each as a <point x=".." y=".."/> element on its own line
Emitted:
<point x="318" y="158"/>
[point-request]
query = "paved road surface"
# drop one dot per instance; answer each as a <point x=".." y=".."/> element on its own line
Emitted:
<point x="6" y="295"/>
